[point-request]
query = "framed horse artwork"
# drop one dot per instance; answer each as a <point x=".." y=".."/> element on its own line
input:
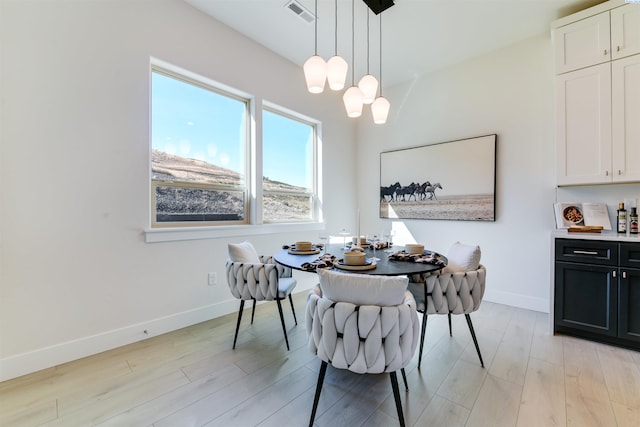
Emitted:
<point x="453" y="180"/>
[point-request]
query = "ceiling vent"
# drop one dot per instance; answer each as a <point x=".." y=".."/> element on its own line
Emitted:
<point x="301" y="11"/>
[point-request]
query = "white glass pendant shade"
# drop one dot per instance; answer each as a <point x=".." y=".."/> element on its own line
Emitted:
<point x="315" y="73"/>
<point x="369" y="87"/>
<point x="380" y="110"/>
<point x="337" y="69"/>
<point x="353" y="101"/>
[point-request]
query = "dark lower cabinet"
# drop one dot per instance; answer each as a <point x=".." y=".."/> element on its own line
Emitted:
<point x="629" y="305"/>
<point x="597" y="290"/>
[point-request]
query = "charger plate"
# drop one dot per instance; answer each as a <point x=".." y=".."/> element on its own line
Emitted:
<point x="368" y="265"/>
<point x="312" y="251"/>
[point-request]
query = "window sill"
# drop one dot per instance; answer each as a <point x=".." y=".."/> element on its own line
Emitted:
<point x="157" y="235"/>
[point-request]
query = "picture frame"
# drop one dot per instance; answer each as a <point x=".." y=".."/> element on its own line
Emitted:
<point x="453" y="180"/>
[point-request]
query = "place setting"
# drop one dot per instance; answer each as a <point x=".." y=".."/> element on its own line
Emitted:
<point x="304" y="248"/>
<point x="355" y="261"/>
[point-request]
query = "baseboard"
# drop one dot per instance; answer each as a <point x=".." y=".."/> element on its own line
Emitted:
<point x="25" y="363"/>
<point x="37" y="360"/>
<point x="517" y="300"/>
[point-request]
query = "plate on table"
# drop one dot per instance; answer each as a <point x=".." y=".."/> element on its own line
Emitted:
<point x="368" y="265"/>
<point x="314" y="250"/>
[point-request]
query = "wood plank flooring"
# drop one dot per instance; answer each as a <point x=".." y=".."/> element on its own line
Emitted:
<point x="192" y="377"/>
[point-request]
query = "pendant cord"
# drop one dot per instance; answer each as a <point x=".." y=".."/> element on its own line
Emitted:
<point x="353" y="43"/>
<point x="381" y="54"/>
<point x="336" y="32"/>
<point x="316" y="28"/>
<point x="368" y="42"/>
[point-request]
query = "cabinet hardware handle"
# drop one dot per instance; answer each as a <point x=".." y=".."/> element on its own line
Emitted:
<point x="586" y="252"/>
<point x="606" y="173"/>
<point x="619" y="172"/>
<point x="618" y="48"/>
<point x="624" y="274"/>
<point x="606" y="52"/>
<point x="613" y="273"/>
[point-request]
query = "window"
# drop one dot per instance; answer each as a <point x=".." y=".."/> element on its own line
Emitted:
<point x="199" y="138"/>
<point x="207" y="170"/>
<point x="288" y="183"/>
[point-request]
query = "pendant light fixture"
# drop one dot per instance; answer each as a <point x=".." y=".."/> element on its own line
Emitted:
<point x="368" y="84"/>
<point x="353" y="97"/>
<point x="315" y="68"/>
<point x="337" y="67"/>
<point x="380" y="107"/>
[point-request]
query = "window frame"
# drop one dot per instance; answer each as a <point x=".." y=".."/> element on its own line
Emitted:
<point x="253" y="223"/>
<point x="222" y="90"/>
<point x="314" y="193"/>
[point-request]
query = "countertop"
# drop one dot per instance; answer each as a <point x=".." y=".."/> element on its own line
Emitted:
<point x="605" y="235"/>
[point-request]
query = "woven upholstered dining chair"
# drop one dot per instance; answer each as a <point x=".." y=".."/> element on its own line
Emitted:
<point x="456" y="289"/>
<point x="258" y="278"/>
<point x="365" y="324"/>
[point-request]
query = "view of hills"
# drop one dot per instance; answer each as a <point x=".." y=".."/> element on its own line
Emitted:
<point x="174" y="204"/>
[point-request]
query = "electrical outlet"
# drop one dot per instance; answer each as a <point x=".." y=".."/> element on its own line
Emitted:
<point x="213" y="279"/>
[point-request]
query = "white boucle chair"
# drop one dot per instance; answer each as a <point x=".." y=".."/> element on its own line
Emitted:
<point x="258" y="278"/>
<point x="457" y="289"/>
<point x="363" y="323"/>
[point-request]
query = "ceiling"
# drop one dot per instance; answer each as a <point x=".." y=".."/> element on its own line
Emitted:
<point x="418" y="36"/>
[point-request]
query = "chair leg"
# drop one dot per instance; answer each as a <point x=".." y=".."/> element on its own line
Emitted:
<point x="404" y="378"/>
<point x="284" y="328"/>
<point x="396" y="396"/>
<point x="323" y="370"/>
<point x="449" y="315"/>
<point x="235" y="338"/>
<point x="293" y="309"/>
<point x="473" y="335"/>
<point x="253" y="310"/>
<point x="424" y="329"/>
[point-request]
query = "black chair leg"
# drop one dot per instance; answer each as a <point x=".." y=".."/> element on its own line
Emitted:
<point x="293" y="309"/>
<point x="235" y="338"/>
<point x="284" y="329"/>
<point x="424" y="329"/>
<point x="404" y="378"/>
<point x="253" y="310"/>
<point x="396" y="396"/>
<point x="473" y="335"/>
<point x="323" y="370"/>
<point x="449" y="316"/>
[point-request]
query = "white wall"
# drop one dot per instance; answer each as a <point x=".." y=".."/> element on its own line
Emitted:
<point x="509" y="93"/>
<point x="76" y="276"/>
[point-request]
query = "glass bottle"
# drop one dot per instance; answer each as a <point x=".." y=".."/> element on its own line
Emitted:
<point x="622" y="219"/>
<point x="633" y="221"/>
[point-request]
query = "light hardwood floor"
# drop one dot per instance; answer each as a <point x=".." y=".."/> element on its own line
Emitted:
<point x="191" y="377"/>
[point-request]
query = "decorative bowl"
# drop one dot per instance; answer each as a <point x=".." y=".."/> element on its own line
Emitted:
<point x="355" y="258"/>
<point x="303" y="246"/>
<point x="414" y="248"/>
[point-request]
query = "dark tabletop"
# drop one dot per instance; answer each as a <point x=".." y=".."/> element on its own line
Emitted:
<point x="385" y="266"/>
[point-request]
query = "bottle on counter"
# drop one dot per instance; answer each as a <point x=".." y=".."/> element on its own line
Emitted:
<point x="622" y="219"/>
<point x="633" y="221"/>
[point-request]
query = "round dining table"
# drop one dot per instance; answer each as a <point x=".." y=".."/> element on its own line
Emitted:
<point x="384" y="266"/>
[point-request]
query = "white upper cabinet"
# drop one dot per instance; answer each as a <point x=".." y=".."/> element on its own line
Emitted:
<point x="598" y="95"/>
<point x="583" y="43"/>
<point x="625" y="31"/>
<point x="583" y="126"/>
<point x="625" y="113"/>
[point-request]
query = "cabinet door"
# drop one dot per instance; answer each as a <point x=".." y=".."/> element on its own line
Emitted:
<point x="586" y="298"/>
<point x="629" y="305"/>
<point x="625" y="107"/>
<point x="583" y="125"/>
<point x="625" y="31"/>
<point x="582" y="43"/>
